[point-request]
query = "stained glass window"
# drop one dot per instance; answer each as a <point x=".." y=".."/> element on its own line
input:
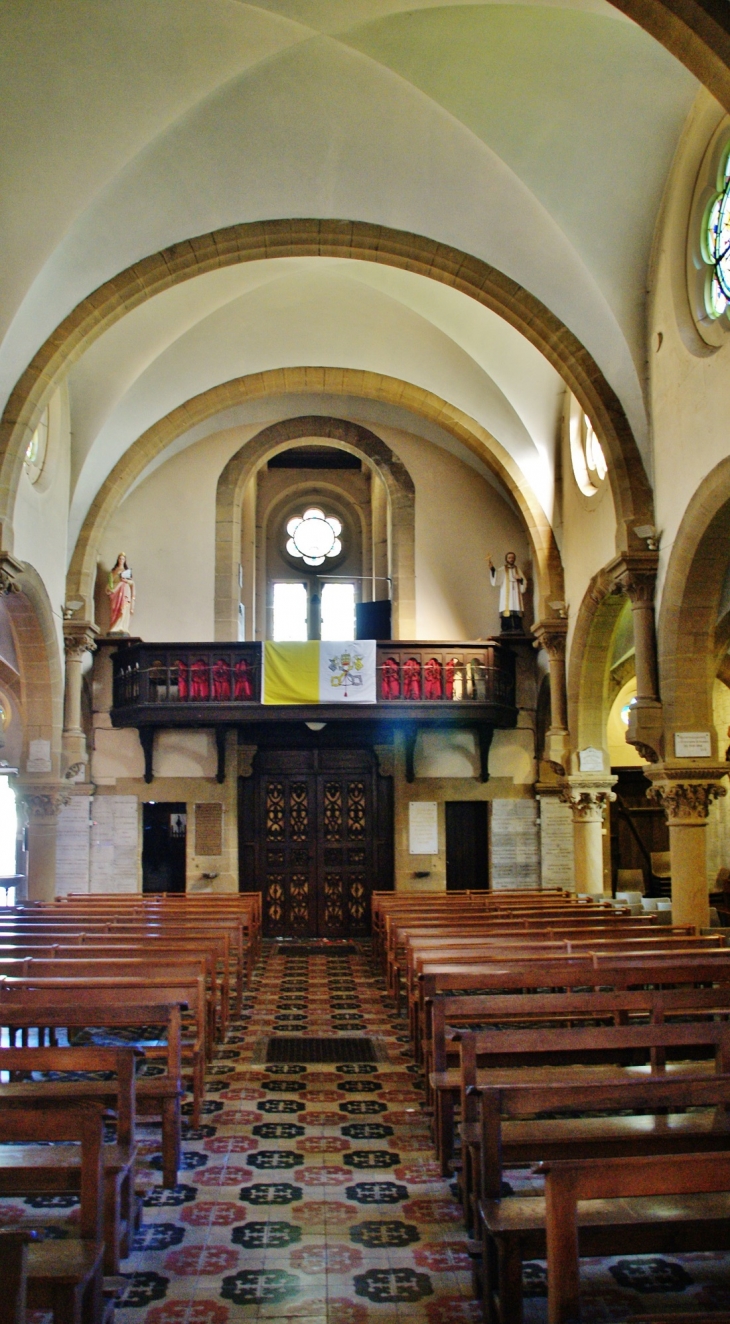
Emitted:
<point x="715" y="240"/>
<point x="589" y="461"/>
<point x="35" y="451"/>
<point x="314" y="536"/>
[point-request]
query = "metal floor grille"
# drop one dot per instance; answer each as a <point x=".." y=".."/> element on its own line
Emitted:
<point x="285" y="1049"/>
<point x="316" y="949"/>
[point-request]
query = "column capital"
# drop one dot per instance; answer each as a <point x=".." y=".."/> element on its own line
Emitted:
<point x="551" y="634"/>
<point x="686" y="792"/>
<point x="588" y="794"/>
<point x="634" y="573"/>
<point x="41" y="802"/>
<point x="79" y="637"/>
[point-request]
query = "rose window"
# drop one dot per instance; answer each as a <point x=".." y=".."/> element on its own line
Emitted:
<point x="314" y="536"/>
<point x="715" y="241"/>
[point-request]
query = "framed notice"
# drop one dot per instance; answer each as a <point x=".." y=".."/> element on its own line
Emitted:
<point x="423" y="827"/>
<point x="692" y="745"/>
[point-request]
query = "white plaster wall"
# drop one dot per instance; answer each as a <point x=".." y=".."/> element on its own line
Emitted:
<point x="41" y="512"/>
<point x="166" y="526"/>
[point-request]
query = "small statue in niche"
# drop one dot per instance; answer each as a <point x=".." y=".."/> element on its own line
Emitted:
<point x="120" y="591"/>
<point x="511" y="583"/>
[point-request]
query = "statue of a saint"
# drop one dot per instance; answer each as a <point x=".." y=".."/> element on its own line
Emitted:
<point x="511" y="583"/>
<point x="120" y="591"/>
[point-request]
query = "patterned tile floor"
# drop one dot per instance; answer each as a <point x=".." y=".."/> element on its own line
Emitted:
<point x="311" y="1192"/>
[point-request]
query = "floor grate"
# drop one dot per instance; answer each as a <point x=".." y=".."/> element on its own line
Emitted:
<point x="285" y="1049"/>
<point x="316" y="949"/>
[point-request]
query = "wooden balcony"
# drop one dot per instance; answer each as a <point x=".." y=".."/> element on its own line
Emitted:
<point x="219" y="686"/>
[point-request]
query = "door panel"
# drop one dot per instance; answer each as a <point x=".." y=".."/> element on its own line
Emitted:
<point x="467" y="849"/>
<point x="316" y="827"/>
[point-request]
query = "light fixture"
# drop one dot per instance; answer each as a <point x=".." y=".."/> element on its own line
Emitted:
<point x="316" y="726"/>
<point x="648" y="533"/>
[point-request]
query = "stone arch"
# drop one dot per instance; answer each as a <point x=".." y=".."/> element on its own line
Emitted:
<point x="330" y="381"/>
<point x="253" y="241"/>
<point x="691" y="594"/>
<point x="352" y="437"/>
<point x="697" y="32"/>
<point x="40" y="667"/>
<point x="589" y="693"/>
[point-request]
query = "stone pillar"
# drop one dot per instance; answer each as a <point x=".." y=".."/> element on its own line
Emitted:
<point x="588" y="794"/>
<point x="635" y="573"/>
<point x="551" y="635"/>
<point x="40" y="806"/>
<point x="79" y="638"/>
<point x="686" y="794"/>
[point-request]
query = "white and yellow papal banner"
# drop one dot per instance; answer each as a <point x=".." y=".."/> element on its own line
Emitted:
<point x="318" y="672"/>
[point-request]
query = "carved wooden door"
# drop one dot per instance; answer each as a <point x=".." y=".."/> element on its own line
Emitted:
<point x="316" y="831"/>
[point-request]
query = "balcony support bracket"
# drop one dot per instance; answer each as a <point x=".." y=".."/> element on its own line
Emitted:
<point x="220" y="744"/>
<point x="147" y="740"/>
<point x="486" y="731"/>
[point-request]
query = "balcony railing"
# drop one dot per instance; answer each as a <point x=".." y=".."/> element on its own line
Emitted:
<point x="225" y="679"/>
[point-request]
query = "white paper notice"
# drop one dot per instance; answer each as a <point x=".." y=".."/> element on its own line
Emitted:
<point x="423" y="827"/>
<point x="39" y="756"/>
<point x="515" y="848"/>
<point x="590" y="760"/>
<point x="692" y="745"/>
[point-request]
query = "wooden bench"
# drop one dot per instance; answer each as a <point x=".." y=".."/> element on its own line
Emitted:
<point x="57" y="1168"/>
<point x="66" y="1277"/>
<point x="186" y="991"/>
<point x="695" y="1190"/>
<point x="157" y="1097"/>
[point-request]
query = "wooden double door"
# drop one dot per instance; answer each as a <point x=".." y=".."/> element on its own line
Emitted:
<point x="317" y="835"/>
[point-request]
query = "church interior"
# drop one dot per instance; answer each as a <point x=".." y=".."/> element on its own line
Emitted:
<point x="365" y="661"/>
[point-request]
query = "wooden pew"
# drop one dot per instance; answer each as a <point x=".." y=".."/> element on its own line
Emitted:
<point x="57" y="1168"/>
<point x="157" y="1097"/>
<point x="14" y="1274"/>
<point x="66" y="1277"/>
<point x="696" y="1197"/>
<point x="188" y="990"/>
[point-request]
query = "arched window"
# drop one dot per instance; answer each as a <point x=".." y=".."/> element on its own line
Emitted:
<point x="586" y="453"/>
<point x="715" y="242"/>
<point x="35" y="452"/>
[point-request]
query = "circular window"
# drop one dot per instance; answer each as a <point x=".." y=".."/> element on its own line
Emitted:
<point x="35" y="451"/>
<point x="715" y="242"/>
<point x="589" y="462"/>
<point x="314" y="536"/>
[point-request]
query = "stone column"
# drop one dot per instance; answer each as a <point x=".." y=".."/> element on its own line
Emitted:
<point x="686" y="794"/>
<point x="551" y="635"/>
<point x="40" y="806"/>
<point x="588" y="794"/>
<point x="79" y="638"/>
<point x="635" y="573"/>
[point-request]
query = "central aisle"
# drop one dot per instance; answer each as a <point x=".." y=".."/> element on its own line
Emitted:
<point x="310" y="1191"/>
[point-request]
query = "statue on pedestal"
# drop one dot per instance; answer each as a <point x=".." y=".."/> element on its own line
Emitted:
<point x="511" y="583"/>
<point x="120" y="591"/>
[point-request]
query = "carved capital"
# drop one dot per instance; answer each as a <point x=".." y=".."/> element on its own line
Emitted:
<point x="79" y="637"/>
<point x="41" y="804"/>
<point x="685" y="794"/>
<point x="551" y="635"/>
<point x="588" y="796"/>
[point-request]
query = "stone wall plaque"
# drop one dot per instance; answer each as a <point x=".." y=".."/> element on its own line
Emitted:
<point x="73" y="840"/>
<point x="209" y="829"/>
<point x="114" y="852"/>
<point x="692" y="745"/>
<point x="514" y="844"/>
<point x="557" y="866"/>
<point x="590" y="759"/>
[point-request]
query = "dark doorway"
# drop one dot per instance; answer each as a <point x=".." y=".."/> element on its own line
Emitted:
<point x="638" y="830"/>
<point x="467" y="846"/>
<point x="317" y="835"/>
<point x="164" y="831"/>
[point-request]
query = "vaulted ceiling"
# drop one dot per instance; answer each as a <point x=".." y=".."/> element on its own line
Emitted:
<point x="534" y="136"/>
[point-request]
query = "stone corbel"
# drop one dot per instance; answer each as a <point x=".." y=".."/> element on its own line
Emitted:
<point x="246" y="755"/>
<point x="551" y="634"/>
<point x="634" y="573"/>
<point x="10" y="569"/>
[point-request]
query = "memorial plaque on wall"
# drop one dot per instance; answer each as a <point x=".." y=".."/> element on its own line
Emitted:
<point x="209" y="829"/>
<point x="72" y="846"/>
<point x="557" y="867"/>
<point x="514" y="844"/>
<point x="114" y="856"/>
